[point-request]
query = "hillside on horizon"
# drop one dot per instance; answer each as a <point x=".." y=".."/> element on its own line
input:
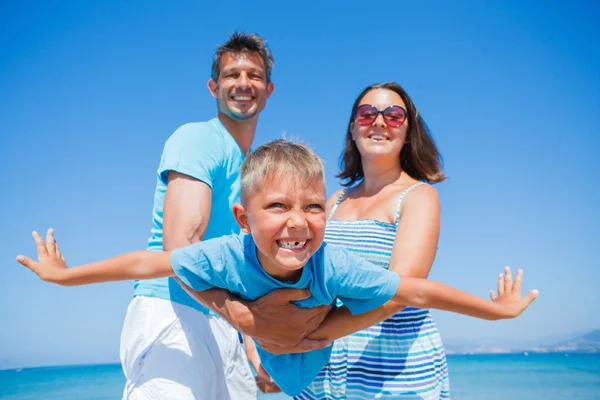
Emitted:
<point x="588" y="342"/>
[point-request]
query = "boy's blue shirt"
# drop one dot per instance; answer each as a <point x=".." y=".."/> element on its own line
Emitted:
<point x="231" y="263"/>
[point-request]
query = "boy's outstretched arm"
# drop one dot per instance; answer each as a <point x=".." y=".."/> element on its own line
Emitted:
<point x="52" y="267"/>
<point x="508" y="303"/>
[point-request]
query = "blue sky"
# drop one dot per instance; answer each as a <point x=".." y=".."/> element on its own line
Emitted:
<point x="91" y="90"/>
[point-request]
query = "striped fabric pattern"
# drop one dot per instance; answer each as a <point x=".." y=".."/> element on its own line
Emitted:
<point x="400" y="358"/>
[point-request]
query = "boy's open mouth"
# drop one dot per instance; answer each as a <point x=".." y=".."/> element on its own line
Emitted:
<point x="292" y="244"/>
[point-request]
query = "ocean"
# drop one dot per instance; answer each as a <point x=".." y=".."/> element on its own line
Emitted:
<point x="480" y="377"/>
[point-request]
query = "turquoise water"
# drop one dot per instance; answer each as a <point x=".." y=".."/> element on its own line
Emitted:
<point x="481" y="377"/>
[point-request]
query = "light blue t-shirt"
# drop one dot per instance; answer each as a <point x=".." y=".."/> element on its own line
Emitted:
<point x="207" y="152"/>
<point x="230" y="263"/>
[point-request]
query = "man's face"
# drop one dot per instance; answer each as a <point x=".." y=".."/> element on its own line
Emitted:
<point x="242" y="89"/>
<point x="286" y="218"/>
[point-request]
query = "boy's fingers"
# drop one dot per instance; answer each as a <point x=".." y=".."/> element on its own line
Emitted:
<point x="517" y="284"/>
<point x="500" y="285"/>
<point x="41" y="246"/>
<point x="531" y="296"/>
<point x="57" y="248"/>
<point x="507" y="279"/>
<point x="27" y="262"/>
<point x="50" y="243"/>
<point x="492" y="295"/>
<point x="266" y="387"/>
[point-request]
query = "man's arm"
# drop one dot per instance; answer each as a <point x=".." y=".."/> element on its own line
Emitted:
<point x="186" y="211"/>
<point x="279" y="326"/>
<point x="273" y="320"/>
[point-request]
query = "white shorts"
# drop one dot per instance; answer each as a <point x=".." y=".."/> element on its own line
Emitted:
<point x="172" y="351"/>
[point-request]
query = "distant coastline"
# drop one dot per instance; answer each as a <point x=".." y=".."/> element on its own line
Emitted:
<point x="588" y="343"/>
<point x="63" y="366"/>
<point x="584" y="343"/>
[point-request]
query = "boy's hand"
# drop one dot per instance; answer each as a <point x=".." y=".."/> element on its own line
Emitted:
<point x="265" y="382"/>
<point x="509" y="294"/>
<point x="51" y="265"/>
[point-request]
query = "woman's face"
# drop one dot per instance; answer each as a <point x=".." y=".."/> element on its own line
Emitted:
<point x="380" y="140"/>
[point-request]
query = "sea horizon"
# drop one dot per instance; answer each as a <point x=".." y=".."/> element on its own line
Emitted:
<point x="448" y="354"/>
<point x="499" y="376"/>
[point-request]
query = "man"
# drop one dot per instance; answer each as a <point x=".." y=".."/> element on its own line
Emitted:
<point x="171" y="346"/>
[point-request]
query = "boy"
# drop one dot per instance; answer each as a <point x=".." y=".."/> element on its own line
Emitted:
<point x="282" y="217"/>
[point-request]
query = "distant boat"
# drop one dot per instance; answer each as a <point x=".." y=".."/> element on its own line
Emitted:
<point x="525" y="354"/>
<point x="18" y="369"/>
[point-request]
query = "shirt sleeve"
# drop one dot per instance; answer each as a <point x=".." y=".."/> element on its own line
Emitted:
<point x="360" y="285"/>
<point x="200" y="265"/>
<point x="193" y="150"/>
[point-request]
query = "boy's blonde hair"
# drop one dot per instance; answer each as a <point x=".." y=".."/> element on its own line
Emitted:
<point x="280" y="159"/>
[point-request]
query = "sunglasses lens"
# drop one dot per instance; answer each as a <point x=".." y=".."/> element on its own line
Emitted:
<point x="394" y="116"/>
<point x="366" y="114"/>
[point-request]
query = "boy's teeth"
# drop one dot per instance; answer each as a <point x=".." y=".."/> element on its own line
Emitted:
<point x="291" y="245"/>
<point x="242" y="98"/>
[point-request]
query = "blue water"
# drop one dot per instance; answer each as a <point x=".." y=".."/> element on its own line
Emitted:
<point x="481" y="377"/>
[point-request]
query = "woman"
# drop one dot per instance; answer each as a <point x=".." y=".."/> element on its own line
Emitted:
<point x="387" y="212"/>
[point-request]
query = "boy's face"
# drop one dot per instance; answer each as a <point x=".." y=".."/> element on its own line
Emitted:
<point x="286" y="218"/>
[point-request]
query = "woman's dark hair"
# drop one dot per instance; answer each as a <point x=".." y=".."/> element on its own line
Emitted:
<point x="419" y="157"/>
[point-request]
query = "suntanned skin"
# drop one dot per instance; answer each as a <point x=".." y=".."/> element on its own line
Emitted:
<point x="376" y="198"/>
<point x="273" y="320"/>
<point x="52" y="267"/>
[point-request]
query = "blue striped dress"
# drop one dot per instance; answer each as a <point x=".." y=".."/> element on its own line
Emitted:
<point x="400" y="358"/>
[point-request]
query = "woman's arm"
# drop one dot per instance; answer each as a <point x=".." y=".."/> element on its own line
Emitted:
<point x="414" y="250"/>
<point x="52" y="267"/>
